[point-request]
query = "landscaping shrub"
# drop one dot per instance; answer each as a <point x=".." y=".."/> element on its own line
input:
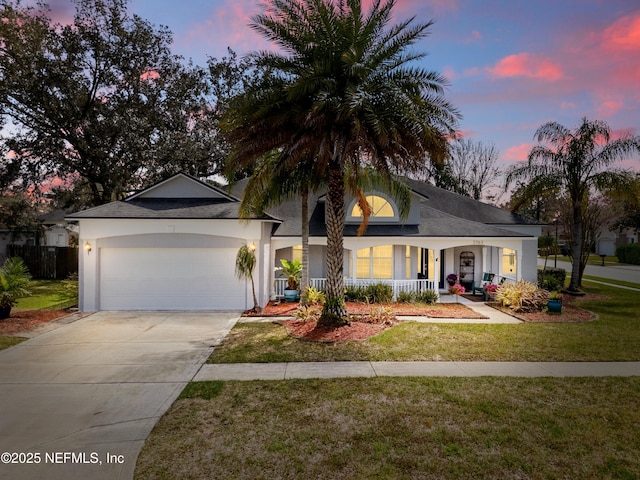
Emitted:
<point x="629" y="253"/>
<point x="551" y="278"/>
<point x="380" y="315"/>
<point x="313" y="296"/>
<point x="427" y="296"/>
<point x="308" y="313"/>
<point x="354" y="293"/>
<point x="379" y="293"/>
<point x="407" y="297"/>
<point x="522" y="296"/>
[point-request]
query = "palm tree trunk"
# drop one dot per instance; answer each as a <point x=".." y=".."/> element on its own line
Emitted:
<point x="334" y="312"/>
<point x="304" y="278"/>
<point x="256" y="307"/>
<point x="576" y="250"/>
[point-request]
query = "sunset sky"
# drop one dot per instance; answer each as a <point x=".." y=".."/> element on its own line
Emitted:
<point x="512" y="65"/>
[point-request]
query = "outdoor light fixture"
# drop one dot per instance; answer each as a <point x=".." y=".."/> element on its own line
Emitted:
<point x="252" y="247"/>
<point x="87" y="247"/>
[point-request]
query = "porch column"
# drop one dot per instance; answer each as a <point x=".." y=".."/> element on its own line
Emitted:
<point x="436" y="269"/>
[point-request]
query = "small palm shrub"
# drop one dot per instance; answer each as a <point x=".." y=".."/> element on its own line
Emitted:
<point x="379" y="315"/>
<point x="427" y="296"/>
<point x="406" y="297"/>
<point x="379" y="293"/>
<point x="14" y="283"/>
<point x="522" y="296"/>
<point x="354" y="293"/>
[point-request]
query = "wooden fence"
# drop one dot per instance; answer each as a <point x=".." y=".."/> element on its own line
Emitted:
<point x="54" y="263"/>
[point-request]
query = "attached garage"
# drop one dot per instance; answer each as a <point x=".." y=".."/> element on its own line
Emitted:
<point x="172" y="246"/>
<point x="170" y="279"/>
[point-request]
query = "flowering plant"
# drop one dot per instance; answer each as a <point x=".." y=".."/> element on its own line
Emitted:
<point x="490" y="287"/>
<point x="452" y="278"/>
<point x="456" y="289"/>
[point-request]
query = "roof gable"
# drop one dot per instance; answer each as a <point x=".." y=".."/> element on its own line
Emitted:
<point x="182" y="186"/>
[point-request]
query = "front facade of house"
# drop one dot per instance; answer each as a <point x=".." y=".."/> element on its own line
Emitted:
<point x="173" y="246"/>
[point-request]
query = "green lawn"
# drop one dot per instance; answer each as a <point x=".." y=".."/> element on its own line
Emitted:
<point x="615" y="336"/>
<point x="400" y="428"/>
<point x="406" y="428"/>
<point x="50" y="294"/>
<point x="45" y="295"/>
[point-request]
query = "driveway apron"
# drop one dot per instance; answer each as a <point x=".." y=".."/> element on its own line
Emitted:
<point x="79" y="401"/>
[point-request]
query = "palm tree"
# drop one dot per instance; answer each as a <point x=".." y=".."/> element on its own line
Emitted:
<point x="342" y="90"/>
<point x="271" y="184"/>
<point x="245" y="264"/>
<point x="572" y="164"/>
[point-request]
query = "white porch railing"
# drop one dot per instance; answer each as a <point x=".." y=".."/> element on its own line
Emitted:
<point x="397" y="285"/>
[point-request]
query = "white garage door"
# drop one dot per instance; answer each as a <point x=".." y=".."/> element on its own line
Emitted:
<point x="170" y="279"/>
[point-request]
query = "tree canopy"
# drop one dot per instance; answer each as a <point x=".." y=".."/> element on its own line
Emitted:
<point x="103" y="103"/>
<point x="573" y="165"/>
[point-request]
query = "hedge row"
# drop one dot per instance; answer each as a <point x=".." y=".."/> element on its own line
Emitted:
<point x="551" y="278"/>
<point x="629" y="253"/>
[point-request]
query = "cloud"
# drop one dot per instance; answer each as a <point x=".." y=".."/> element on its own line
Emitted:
<point x="226" y="25"/>
<point x="474" y="37"/>
<point x="527" y="65"/>
<point x="567" y="105"/>
<point x="609" y="108"/>
<point x="624" y="34"/>
<point x="518" y="153"/>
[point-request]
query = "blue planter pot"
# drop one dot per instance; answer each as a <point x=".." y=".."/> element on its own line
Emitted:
<point x="290" y="295"/>
<point x="554" y="306"/>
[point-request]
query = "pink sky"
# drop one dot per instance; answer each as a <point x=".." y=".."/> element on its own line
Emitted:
<point x="512" y="64"/>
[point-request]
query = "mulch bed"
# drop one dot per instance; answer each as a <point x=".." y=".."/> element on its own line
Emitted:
<point x="570" y="313"/>
<point x="361" y="325"/>
<point x="308" y="331"/>
<point x="361" y="330"/>
<point x="440" y="310"/>
<point x="22" y="321"/>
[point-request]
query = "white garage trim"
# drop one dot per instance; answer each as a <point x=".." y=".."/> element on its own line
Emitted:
<point x="170" y="279"/>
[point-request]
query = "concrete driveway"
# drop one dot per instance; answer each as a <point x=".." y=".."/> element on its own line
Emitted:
<point x="79" y="401"/>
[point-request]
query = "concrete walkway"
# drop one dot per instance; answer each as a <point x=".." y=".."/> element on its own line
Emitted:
<point x="306" y="370"/>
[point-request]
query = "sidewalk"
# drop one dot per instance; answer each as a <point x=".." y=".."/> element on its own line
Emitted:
<point x="306" y="370"/>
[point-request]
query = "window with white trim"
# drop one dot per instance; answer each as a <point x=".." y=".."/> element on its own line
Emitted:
<point x="375" y="262"/>
<point x="381" y="209"/>
<point x="509" y="263"/>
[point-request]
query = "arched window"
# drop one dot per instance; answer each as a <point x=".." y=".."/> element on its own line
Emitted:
<point x="381" y="209"/>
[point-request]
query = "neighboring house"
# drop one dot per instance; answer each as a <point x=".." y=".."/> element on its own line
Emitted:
<point x="609" y="241"/>
<point x="173" y="246"/>
<point x="58" y="232"/>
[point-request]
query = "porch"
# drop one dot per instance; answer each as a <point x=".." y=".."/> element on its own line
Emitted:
<point x="398" y="286"/>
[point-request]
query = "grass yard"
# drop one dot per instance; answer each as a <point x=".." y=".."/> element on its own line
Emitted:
<point x="615" y="336"/>
<point x="50" y="294"/>
<point x="399" y="428"/>
<point x="45" y="295"/>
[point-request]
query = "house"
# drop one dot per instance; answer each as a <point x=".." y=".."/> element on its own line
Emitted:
<point x="58" y="232"/>
<point x="173" y="246"/>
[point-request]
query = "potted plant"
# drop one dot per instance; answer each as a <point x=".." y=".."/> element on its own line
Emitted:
<point x="554" y="303"/>
<point x="292" y="270"/>
<point x="488" y="290"/>
<point x="14" y="283"/>
<point x="452" y="279"/>
<point x="456" y="289"/>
